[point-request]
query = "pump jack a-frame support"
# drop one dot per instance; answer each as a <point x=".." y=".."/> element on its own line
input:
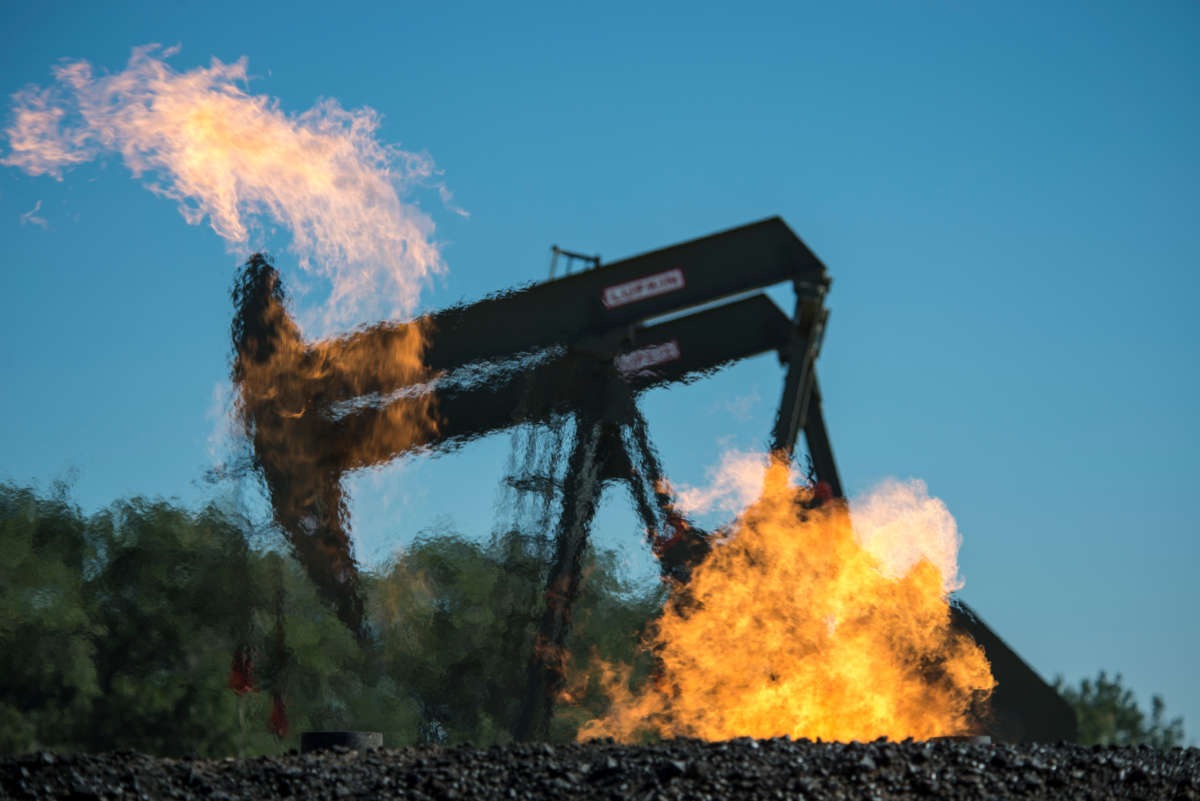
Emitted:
<point x="586" y="345"/>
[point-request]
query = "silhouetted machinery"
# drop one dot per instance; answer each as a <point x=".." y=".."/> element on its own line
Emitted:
<point x="584" y="345"/>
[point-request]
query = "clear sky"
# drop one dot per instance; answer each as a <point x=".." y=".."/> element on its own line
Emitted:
<point x="1006" y="197"/>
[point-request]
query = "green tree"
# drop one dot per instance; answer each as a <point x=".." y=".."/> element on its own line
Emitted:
<point x="119" y="630"/>
<point x="47" y="675"/>
<point x="1108" y="714"/>
<point x="456" y="625"/>
<point x="165" y="607"/>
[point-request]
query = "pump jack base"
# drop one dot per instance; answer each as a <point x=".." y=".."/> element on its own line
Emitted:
<point x="353" y="740"/>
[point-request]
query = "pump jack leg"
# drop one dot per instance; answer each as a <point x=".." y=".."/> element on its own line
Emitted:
<point x="818" y="443"/>
<point x="678" y="545"/>
<point x="800" y="408"/>
<point x="582" y="491"/>
<point x="652" y="473"/>
<point x="644" y="509"/>
<point x="793" y="405"/>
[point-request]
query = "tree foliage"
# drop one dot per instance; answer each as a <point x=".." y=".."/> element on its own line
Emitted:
<point x="120" y="629"/>
<point x="1108" y="714"/>
<point x="47" y="667"/>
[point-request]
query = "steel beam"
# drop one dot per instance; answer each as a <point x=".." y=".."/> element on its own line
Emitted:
<point x="650" y="356"/>
<point x="598" y="446"/>
<point x="1024" y="708"/>
<point x="818" y="442"/>
<point x="591" y="303"/>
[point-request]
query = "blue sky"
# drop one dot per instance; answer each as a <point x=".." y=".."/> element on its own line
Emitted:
<point x="1006" y="198"/>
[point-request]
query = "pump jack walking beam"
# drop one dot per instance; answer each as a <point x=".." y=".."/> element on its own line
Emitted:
<point x="607" y="300"/>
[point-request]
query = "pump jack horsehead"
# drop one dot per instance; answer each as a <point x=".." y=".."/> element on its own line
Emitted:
<point x="586" y="345"/>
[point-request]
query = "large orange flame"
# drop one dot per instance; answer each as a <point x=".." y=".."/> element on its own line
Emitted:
<point x="810" y="621"/>
<point x="236" y="158"/>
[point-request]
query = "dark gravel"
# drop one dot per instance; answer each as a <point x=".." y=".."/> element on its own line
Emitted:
<point x="681" y="769"/>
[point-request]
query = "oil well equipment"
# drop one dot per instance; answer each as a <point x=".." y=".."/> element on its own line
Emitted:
<point x="582" y="346"/>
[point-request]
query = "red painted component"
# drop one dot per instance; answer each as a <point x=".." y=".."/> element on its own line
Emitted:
<point x="241" y="673"/>
<point x="278" y="724"/>
<point x="672" y="533"/>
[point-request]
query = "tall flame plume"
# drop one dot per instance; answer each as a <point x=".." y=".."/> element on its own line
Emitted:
<point x="241" y="163"/>
<point x="812" y="621"/>
<point x="237" y="160"/>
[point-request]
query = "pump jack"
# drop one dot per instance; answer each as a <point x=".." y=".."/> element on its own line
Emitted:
<point x="584" y="345"/>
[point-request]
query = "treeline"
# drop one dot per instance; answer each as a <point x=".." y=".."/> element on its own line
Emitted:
<point x="147" y="626"/>
<point x="124" y="629"/>
<point x="1108" y="714"/>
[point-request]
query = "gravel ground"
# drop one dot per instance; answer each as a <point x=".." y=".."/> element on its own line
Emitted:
<point x="681" y="769"/>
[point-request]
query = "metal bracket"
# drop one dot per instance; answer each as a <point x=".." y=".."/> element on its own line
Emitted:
<point x="572" y="257"/>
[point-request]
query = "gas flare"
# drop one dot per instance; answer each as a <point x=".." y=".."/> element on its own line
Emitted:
<point x="237" y="160"/>
<point x="809" y="620"/>
<point x="241" y="163"/>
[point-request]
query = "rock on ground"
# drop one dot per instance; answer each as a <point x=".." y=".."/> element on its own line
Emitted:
<point x="677" y="769"/>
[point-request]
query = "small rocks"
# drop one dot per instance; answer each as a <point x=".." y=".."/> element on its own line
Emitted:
<point x="601" y="769"/>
